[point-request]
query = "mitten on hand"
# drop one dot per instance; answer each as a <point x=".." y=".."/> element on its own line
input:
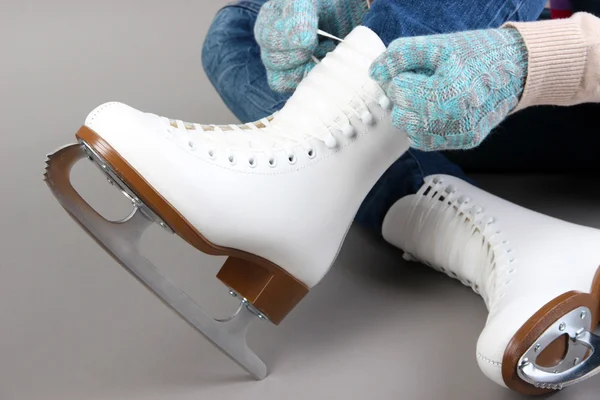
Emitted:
<point x="449" y="91"/>
<point x="286" y="31"/>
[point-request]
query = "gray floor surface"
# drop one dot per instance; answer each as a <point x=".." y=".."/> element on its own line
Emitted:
<point x="75" y="326"/>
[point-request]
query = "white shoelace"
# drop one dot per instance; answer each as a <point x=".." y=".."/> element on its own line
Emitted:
<point x="346" y="99"/>
<point x="324" y="109"/>
<point x="457" y="238"/>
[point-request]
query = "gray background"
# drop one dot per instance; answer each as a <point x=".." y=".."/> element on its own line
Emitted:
<point x="74" y="325"/>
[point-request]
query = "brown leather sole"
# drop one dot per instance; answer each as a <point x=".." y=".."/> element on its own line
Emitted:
<point x="265" y="285"/>
<point x="536" y="325"/>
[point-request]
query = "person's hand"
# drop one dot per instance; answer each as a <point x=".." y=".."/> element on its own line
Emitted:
<point x="449" y="91"/>
<point x="286" y="31"/>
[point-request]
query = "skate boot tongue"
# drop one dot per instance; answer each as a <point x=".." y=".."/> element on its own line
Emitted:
<point x="336" y="90"/>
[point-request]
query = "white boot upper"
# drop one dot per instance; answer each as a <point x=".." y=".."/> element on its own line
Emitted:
<point x="287" y="192"/>
<point x="517" y="259"/>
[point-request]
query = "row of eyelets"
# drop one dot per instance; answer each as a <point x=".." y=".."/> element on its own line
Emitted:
<point x="252" y="161"/>
<point x="348" y="131"/>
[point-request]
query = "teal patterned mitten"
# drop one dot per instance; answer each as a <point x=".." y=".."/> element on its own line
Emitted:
<point x="449" y="91"/>
<point x="286" y="31"/>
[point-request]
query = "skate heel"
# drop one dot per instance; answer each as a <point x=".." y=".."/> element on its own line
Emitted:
<point x="270" y="292"/>
<point x="556" y="347"/>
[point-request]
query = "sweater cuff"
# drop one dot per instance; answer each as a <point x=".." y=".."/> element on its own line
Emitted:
<point x="557" y="55"/>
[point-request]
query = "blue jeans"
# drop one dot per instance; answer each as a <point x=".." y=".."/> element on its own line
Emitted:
<point x="392" y="19"/>
<point x="231" y="60"/>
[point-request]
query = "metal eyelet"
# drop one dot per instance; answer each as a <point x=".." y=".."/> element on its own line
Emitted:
<point x="311" y="153"/>
<point x="252" y="162"/>
<point x="272" y="162"/>
<point x="232" y="159"/>
<point x="292" y="159"/>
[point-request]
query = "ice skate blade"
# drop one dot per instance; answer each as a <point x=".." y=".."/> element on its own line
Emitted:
<point x="121" y="240"/>
<point x="556" y="348"/>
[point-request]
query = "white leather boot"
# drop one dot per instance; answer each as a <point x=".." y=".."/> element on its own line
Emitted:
<point x="277" y="196"/>
<point x="536" y="274"/>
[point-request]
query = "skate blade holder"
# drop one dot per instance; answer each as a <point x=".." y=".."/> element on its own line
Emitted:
<point x="121" y="239"/>
<point x="581" y="360"/>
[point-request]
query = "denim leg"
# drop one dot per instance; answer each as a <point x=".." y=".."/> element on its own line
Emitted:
<point x="231" y="60"/>
<point x="392" y="19"/>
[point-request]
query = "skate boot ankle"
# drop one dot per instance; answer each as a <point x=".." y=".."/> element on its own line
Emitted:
<point x="537" y="275"/>
<point x="276" y="196"/>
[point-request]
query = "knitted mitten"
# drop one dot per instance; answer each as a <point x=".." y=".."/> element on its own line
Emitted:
<point x="449" y="91"/>
<point x="286" y="31"/>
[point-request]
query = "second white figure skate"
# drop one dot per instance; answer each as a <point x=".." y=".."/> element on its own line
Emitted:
<point x="276" y="196"/>
<point x="537" y="275"/>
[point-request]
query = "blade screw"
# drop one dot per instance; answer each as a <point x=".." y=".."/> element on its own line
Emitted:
<point x="537" y="347"/>
<point x="562" y="327"/>
<point x="583" y="315"/>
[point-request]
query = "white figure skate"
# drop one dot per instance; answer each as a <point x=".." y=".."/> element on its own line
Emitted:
<point x="277" y="196"/>
<point x="537" y="275"/>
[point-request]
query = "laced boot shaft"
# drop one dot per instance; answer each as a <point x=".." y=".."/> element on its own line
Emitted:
<point x="325" y="108"/>
<point x="242" y="190"/>
<point x="454" y="235"/>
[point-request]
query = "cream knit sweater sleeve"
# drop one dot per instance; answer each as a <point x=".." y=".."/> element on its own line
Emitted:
<point x="564" y="61"/>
